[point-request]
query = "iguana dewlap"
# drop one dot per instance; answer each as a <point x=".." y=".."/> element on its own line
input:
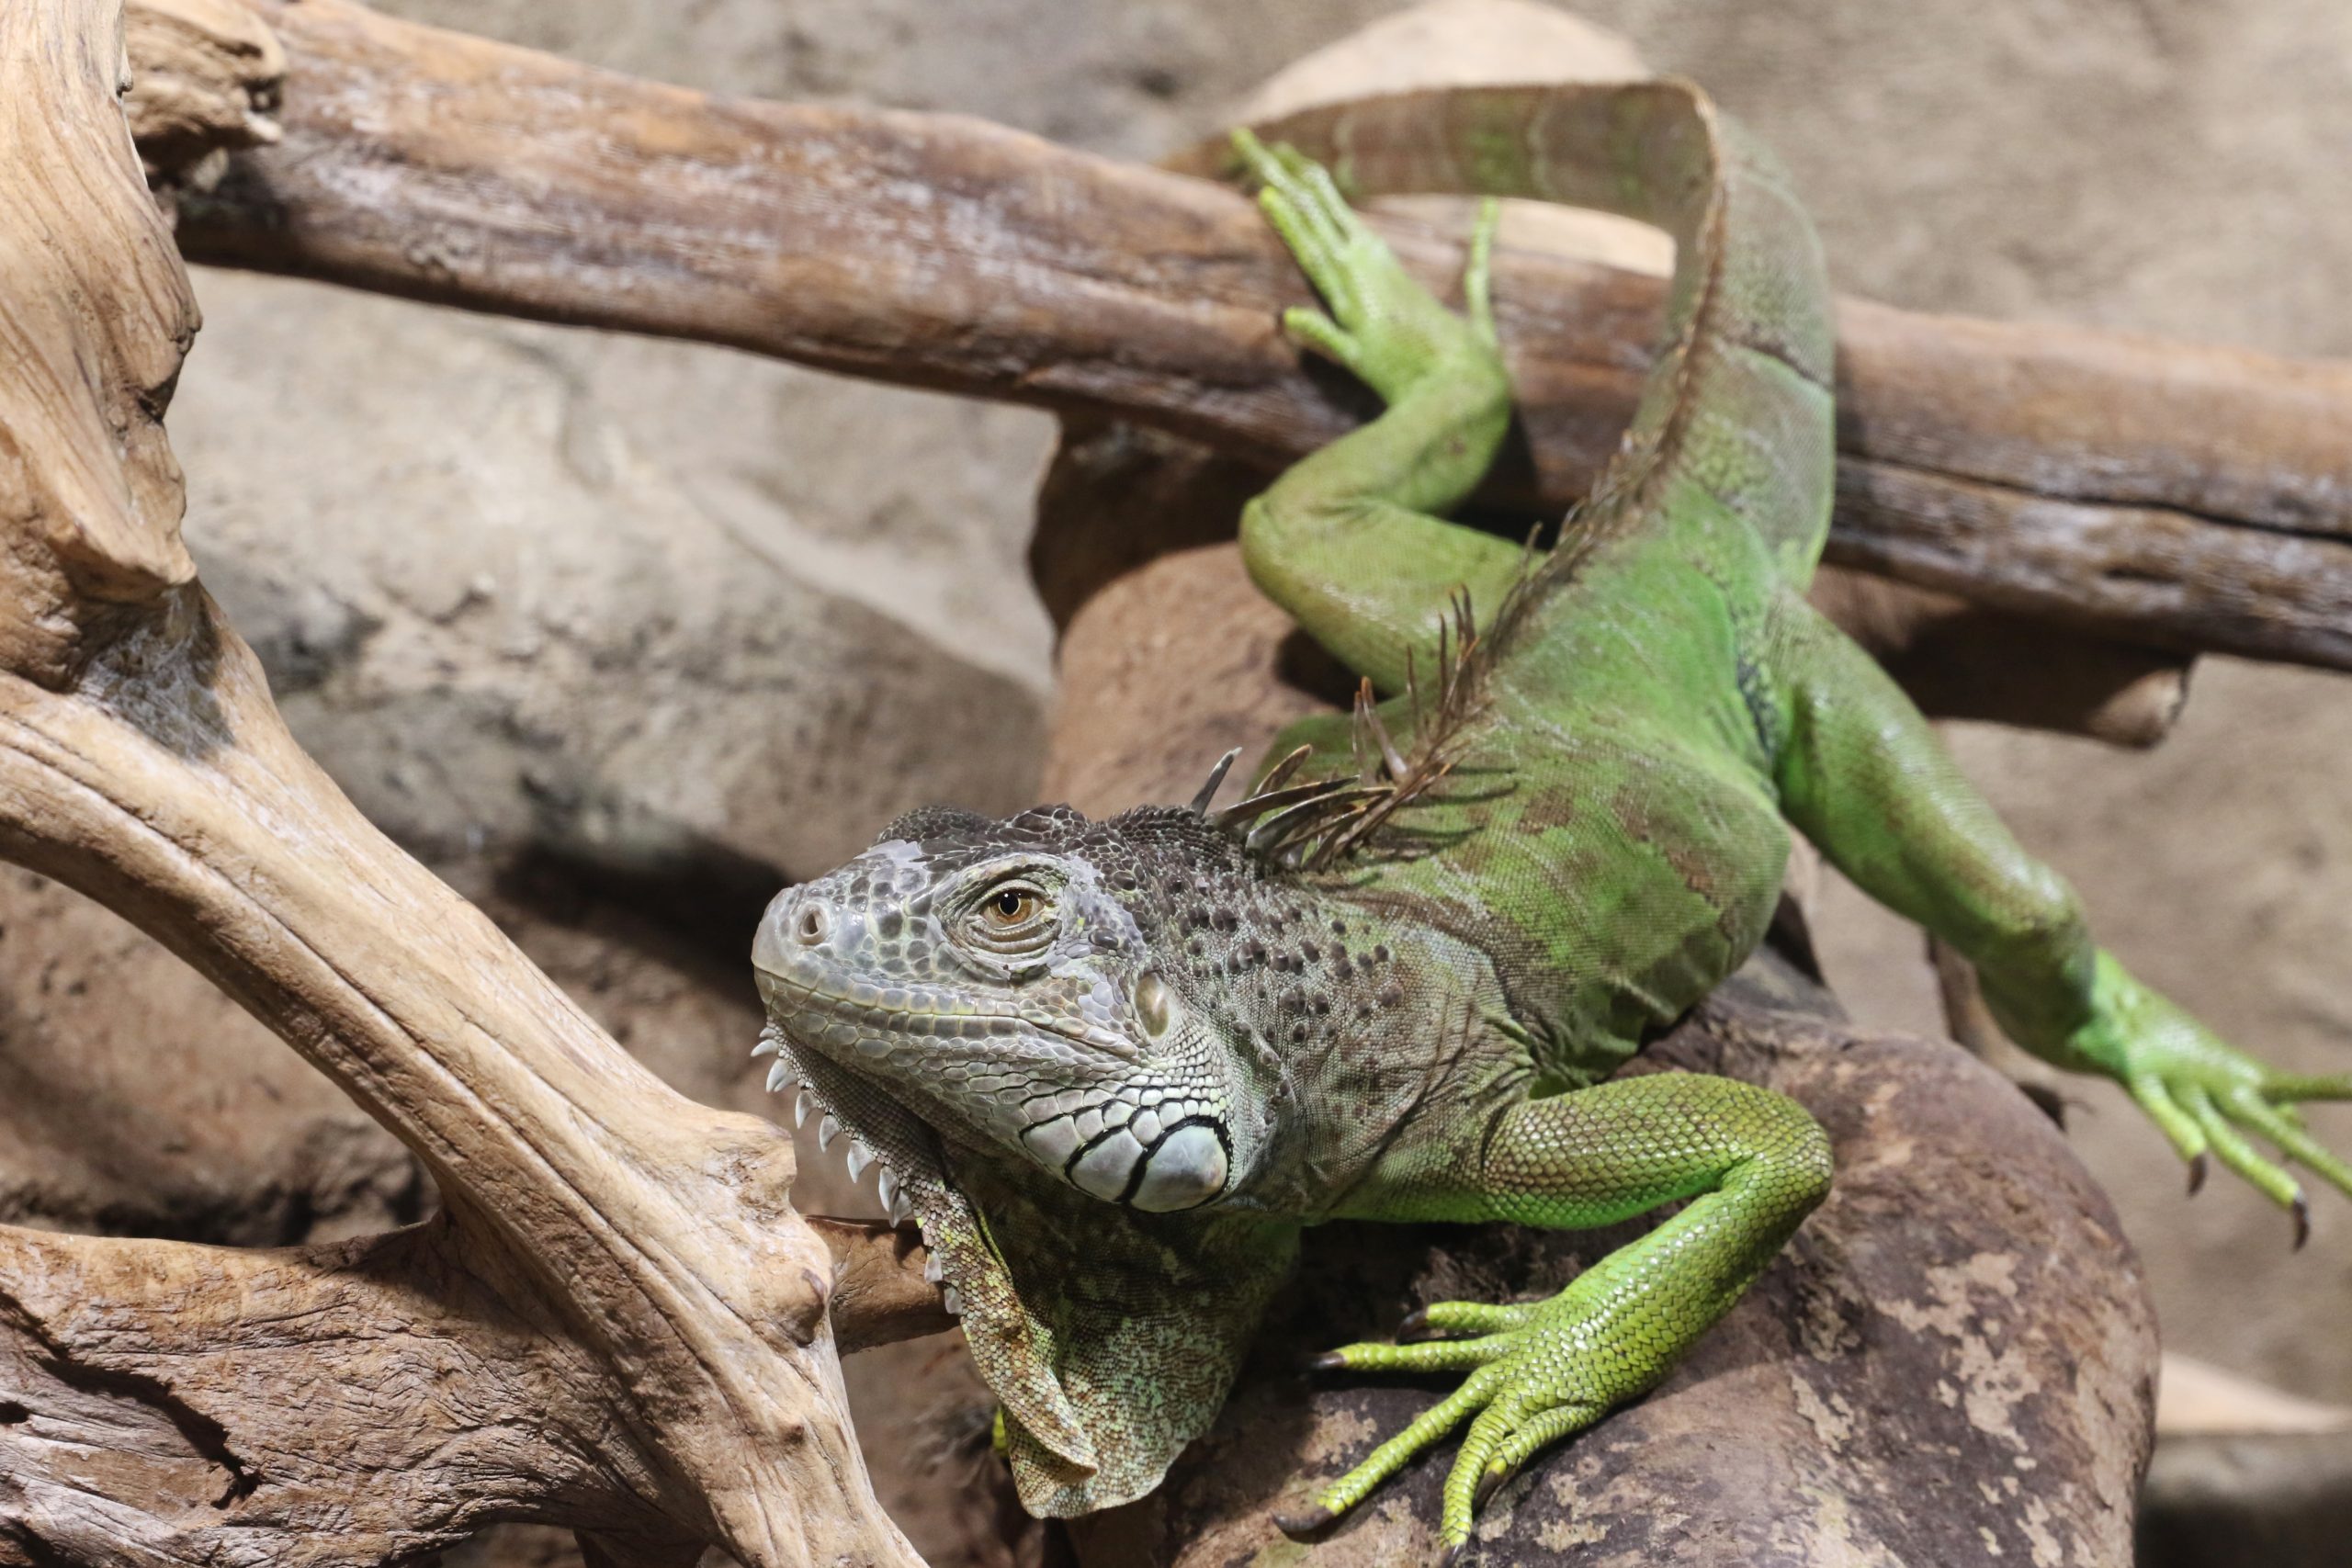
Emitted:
<point x="1112" y="1068"/>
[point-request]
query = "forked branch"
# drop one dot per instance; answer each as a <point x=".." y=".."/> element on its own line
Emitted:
<point x="619" y="1325"/>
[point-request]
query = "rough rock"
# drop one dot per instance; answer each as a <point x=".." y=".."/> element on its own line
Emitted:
<point x="642" y="640"/>
<point x="1950" y="1364"/>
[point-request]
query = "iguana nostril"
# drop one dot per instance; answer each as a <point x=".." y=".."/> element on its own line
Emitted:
<point x="812" y="925"/>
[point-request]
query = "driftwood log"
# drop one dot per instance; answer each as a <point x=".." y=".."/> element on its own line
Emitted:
<point x="617" y="1325"/>
<point x="1954" y="1361"/>
<point x="2159" y="494"/>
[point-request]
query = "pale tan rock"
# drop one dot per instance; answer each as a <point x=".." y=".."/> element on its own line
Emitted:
<point x="2196" y="1398"/>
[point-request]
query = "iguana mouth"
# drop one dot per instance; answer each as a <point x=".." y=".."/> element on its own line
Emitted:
<point x="1149" y="1149"/>
<point x="938" y="1011"/>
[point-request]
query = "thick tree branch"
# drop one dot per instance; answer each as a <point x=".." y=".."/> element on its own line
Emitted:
<point x="258" y="1393"/>
<point x="621" y="1301"/>
<point x="2187" y="498"/>
<point x="273" y="1386"/>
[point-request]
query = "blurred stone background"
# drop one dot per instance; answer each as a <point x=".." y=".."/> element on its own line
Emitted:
<point x="622" y="635"/>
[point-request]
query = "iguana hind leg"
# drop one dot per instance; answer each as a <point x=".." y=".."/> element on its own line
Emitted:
<point x="1347" y="540"/>
<point x="1753" y="1165"/>
<point x="1863" y="777"/>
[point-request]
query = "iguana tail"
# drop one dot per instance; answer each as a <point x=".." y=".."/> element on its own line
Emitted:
<point x="1738" y="407"/>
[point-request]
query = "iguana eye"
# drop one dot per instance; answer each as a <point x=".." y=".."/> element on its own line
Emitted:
<point x="1014" y="919"/>
<point x="1011" y="907"/>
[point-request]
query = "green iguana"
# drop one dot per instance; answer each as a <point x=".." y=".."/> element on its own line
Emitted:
<point x="1113" y="1067"/>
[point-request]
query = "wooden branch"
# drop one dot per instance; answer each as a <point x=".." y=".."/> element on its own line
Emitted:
<point x="2186" y="498"/>
<point x="241" y="1403"/>
<point x="1957" y="660"/>
<point x="879" y="1294"/>
<point x="270" y="1385"/>
<point x="208" y="78"/>
<point x="621" y="1303"/>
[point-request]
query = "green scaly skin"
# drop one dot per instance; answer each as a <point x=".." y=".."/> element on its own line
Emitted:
<point x="1112" y="1068"/>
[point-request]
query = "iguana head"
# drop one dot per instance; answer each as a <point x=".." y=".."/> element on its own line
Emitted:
<point x="988" y="977"/>
<point x="1053" y="1034"/>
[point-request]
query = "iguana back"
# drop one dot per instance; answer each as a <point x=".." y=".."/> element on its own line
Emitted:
<point x="1609" y="835"/>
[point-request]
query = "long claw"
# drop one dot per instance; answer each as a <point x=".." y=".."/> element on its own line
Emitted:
<point x="1393" y="1455"/>
<point x="2232" y="1149"/>
<point x="1522" y="1444"/>
<point x="1297" y="208"/>
<point x="1480" y="1445"/>
<point x="2302" y="1221"/>
<point x="2197" y="1168"/>
<point x="2284" y="1128"/>
<point x="1383" y="326"/>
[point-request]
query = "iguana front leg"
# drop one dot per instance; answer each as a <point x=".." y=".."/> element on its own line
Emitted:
<point x="1347" y="540"/>
<point x="1753" y="1165"/>
<point x="1863" y="777"/>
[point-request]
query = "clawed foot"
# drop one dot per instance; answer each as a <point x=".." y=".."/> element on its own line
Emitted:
<point x="1382" y="324"/>
<point x="1538" y="1374"/>
<point x="2205" y="1094"/>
